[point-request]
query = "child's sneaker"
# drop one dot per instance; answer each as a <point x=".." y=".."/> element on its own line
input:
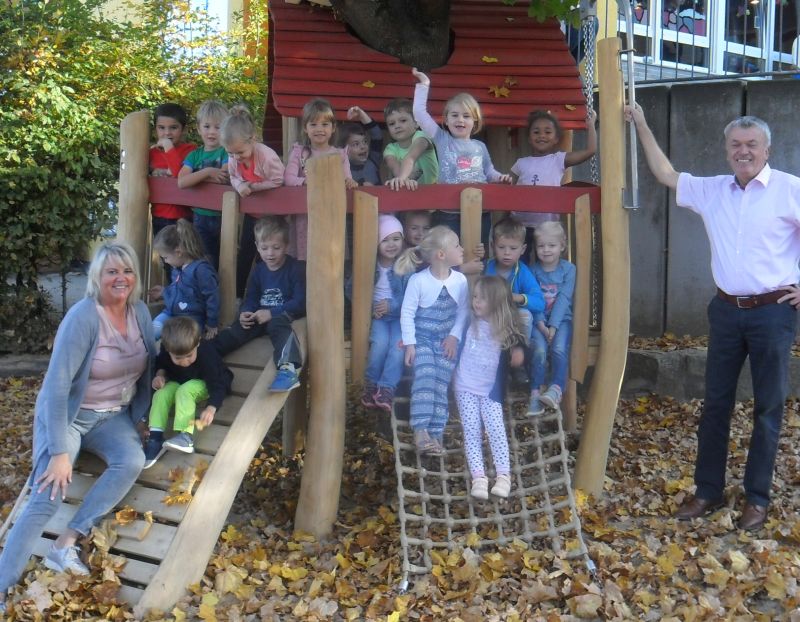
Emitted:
<point x="65" y="559"/>
<point x="480" y="488"/>
<point x="383" y="399"/>
<point x="536" y="408"/>
<point x="153" y="448"/>
<point x="181" y="442"/>
<point x="552" y="397"/>
<point x="285" y="380"/>
<point x="368" y="394"/>
<point x="502" y="486"/>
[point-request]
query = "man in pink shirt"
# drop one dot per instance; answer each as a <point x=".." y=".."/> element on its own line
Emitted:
<point x="752" y="219"/>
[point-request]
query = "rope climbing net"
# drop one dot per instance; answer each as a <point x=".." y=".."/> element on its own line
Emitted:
<point x="437" y="513"/>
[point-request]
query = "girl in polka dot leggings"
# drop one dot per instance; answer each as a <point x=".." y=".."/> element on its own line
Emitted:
<point x="494" y="339"/>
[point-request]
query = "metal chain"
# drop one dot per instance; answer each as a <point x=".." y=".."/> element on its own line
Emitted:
<point x="588" y="30"/>
<point x="587" y="27"/>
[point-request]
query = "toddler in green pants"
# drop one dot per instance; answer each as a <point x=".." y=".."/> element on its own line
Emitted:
<point x="188" y="371"/>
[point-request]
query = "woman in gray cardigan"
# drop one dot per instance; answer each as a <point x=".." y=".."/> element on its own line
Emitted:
<point x="96" y="390"/>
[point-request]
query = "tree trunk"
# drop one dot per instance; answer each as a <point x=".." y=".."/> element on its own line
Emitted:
<point x="415" y="31"/>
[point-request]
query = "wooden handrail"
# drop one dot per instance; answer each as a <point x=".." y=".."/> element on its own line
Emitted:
<point x="292" y="200"/>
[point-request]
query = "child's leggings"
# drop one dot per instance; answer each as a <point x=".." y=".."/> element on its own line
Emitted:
<point x="475" y="409"/>
<point x="185" y="397"/>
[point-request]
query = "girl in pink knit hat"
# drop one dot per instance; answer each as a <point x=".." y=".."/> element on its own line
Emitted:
<point x="385" y="361"/>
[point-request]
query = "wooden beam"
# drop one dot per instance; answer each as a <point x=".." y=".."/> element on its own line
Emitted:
<point x="579" y="350"/>
<point x="228" y="249"/>
<point x="133" y="204"/>
<point x="581" y="308"/>
<point x="322" y="471"/>
<point x="365" y="244"/>
<point x="471" y="208"/>
<point x="295" y="411"/>
<point x="604" y="393"/>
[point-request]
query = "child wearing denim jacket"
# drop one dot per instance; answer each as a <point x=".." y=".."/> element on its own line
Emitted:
<point x="552" y="327"/>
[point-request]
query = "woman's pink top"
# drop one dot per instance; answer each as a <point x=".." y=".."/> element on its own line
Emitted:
<point x="117" y="364"/>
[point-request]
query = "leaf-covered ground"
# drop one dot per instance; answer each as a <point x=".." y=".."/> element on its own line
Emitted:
<point x="649" y="567"/>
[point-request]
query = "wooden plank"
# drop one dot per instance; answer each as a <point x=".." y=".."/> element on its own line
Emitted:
<point x="254" y="354"/>
<point x="140" y="498"/>
<point x="365" y="244"/>
<point x="134" y="571"/>
<point x="579" y="352"/>
<point x="188" y="554"/>
<point x="156" y="476"/>
<point x="129" y="594"/>
<point x="604" y="393"/>
<point x="243" y="380"/>
<point x="153" y="546"/>
<point x="208" y="440"/>
<point x="471" y="209"/>
<point x="228" y="248"/>
<point x="230" y="407"/>
<point x="295" y="411"/>
<point x="292" y="200"/>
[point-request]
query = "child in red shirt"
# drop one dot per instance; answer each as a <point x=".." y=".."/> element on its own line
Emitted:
<point x="166" y="160"/>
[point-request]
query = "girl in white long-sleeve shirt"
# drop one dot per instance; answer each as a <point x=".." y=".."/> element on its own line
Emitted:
<point x="432" y="319"/>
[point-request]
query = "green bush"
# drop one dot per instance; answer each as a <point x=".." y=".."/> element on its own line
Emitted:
<point x="27" y="318"/>
<point x="68" y="75"/>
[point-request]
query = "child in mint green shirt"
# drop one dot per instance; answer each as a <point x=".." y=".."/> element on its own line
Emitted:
<point x="412" y="157"/>
<point x="208" y="163"/>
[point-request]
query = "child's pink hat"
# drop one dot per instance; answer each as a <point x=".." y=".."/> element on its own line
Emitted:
<point x="387" y="225"/>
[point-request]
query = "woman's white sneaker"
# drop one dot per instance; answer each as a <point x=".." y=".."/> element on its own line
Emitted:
<point x="65" y="559"/>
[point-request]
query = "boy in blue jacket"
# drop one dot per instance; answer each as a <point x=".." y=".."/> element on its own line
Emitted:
<point x="274" y="298"/>
<point x="508" y="242"/>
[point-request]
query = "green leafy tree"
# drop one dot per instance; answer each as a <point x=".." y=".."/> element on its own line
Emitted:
<point x="68" y="75"/>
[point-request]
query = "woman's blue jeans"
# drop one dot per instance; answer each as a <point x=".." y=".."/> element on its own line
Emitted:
<point x="765" y="334"/>
<point x="385" y="360"/>
<point x="114" y="439"/>
<point x="559" y="356"/>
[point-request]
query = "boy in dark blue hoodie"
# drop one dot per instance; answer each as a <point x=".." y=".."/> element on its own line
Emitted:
<point x="274" y="298"/>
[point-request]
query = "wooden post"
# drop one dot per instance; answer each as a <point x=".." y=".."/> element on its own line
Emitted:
<point x="295" y="411"/>
<point x="228" y="244"/>
<point x="471" y="206"/>
<point x="290" y="130"/>
<point x="365" y="243"/>
<point x="579" y="350"/>
<point x="604" y="393"/>
<point x="295" y="419"/>
<point x="134" y="204"/>
<point x="322" y="472"/>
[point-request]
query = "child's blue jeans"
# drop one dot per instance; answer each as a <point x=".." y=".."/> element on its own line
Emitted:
<point x="208" y="228"/>
<point x="385" y="360"/>
<point x="559" y="356"/>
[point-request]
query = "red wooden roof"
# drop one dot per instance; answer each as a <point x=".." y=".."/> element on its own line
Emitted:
<point x="315" y="56"/>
